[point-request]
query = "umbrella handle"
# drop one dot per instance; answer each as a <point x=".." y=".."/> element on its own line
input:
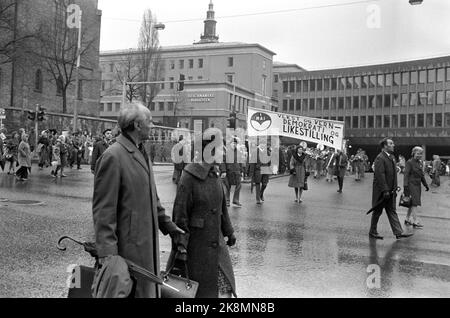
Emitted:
<point x="63" y="248"/>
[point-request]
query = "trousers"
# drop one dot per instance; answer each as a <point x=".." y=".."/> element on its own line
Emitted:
<point x="391" y="212"/>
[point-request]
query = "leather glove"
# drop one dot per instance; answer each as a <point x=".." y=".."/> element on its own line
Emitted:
<point x="175" y="232"/>
<point x="231" y="240"/>
<point x="386" y="195"/>
<point x="427" y="188"/>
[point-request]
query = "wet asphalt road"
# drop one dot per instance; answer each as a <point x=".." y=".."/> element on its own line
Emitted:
<point x="319" y="248"/>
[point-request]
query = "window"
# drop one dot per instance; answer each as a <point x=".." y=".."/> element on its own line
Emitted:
<point x="395" y="100"/>
<point x="111" y="67"/>
<point x="362" y="122"/>
<point x="161" y="106"/>
<point x="372" y="101"/>
<point x="285" y="105"/>
<point x="448" y="74"/>
<point x="59" y="86"/>
<point x="429" y="122"/>
<point x="305" y="86"/>
<point x="319" y="104"/>
<point x="430" y="98"/>
<point x="438" y="120"/>
<point x="170" y="106"/>
<point x="447" y="117"/>
<point x="348" y="122"/>
<point x="292" y="105"/>
<point x="431" y="75"/>
<point x="379" y="101"/>
<point x="440" y="75"/>
<point x="380" y="81"/>
<point x="348" y="103"/>
<point x="101" y="107"/>
<point x="298" y="86"/>
<point x="285" y="86"/>
<point x="319" y="85"/>
<point x="181" y="64"/>
<point x="298" y="105"/>
<point x="200" y="78"/>
<point x="110" y="107"/>
<point x="403" y="122"/>
<point x="372" y="81"/>
<point x="387" y="121"/>
<point x="190" y="78"/>
<point x="365" y="82"/>
<point x="355" y="122"/>
<point x="326" y="104"/>
<point x="117" y="107"/>
<point x="340" y="118"/>
<point x="341" y="103"/>
<point x="312" y="85"/>
<point x="388" y="80"/>
<point x="172" y="84"/>
<point x="334" y="83"/>
<point x="405" y="78"/>
<point x="355" y="102"/>
<point x="439" y="97"/>
<point x="276" y="78"/>
<point x="370" y="123"/>
<point x="172" y="64"/>
<point x="394" y="121"/>
<point x="404" y="99"/>
<point x="447" y="97"/>
<point x="291" y="86"/>
<point x="230" y="78"/>
<point x="38" y="81"/>
<point x="230" y="62"/>
<point x="304" y="104"/>
<point x="420" y="122"/>
<point x="326" y="84"/>
<point x="378" y="123"/>
<point x="357" y="82"/>
<point x="191" y="63"/>
<point x="312" y="104"/>
<point x="152" y="106"/>
<point x="422" y="77"/>
<point x="349" y="83"/>
<point x="413" y="77"/>
<point x="412" y="99"/>
<point x="387" y="100"/>
<point x="412" y="121"/>
<point x="333" y="103"/>
<point x="397" y="79"/>
<point x="363" y="102"/>
<point x="200" y="63"/>
<point x="423" y="97"/>
<point x="341" y="83"/>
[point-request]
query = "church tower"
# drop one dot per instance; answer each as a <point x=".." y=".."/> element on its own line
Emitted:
<point x="209" y="35"/>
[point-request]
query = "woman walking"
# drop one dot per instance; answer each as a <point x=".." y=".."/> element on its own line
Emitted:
<point x="24" y="159"/>
<point x="436" y="171"/>
<point x="12" y="148"/>
<point x="412" y="179"/>
<point x="200" y="209"/>
<point x="298" y="172"/>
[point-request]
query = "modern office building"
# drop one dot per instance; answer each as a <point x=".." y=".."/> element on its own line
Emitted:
<point x="220" y="78"/>
<point x="409" y="101"/>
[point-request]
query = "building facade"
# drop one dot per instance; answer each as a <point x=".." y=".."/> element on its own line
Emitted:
<point x="409" y="101"/>
<point x="220" y="78"/>
<point x="26" y="81"/>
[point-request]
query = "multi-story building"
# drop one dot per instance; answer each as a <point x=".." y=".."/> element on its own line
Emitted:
<point x="27" y="79"/>
<point x="409" y="101"/>
<point x="221" y="78"/>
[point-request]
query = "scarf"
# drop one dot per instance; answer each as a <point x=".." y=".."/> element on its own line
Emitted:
<point x="298" y="158"/>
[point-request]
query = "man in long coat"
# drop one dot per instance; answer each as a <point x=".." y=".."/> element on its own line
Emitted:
<point x="341" y="168"/>
<point x="385" y="191"/>
<point x="231" y="173"/>
<point x="100" y="147"/>
<point x="126" y="209"/>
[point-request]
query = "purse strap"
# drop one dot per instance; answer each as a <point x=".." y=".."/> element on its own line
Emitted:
<point x="172" y="265"/>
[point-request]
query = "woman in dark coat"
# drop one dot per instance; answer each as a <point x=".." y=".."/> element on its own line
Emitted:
<point x="200" y="209"/>
<point x="412" y="179"/>
<point x="12" y="148"/>
<point x="297" y="168"/>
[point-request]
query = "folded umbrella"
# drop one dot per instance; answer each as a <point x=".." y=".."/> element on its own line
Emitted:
<point x="381" y="200"/>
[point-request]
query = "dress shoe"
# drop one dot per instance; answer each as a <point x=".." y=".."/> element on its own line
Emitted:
<point x="237" y="205"/>
<point x="404" y="235"/>
<point x="417" y="225"/>
<point x="375" y="236"/>
<point x="407" y="222"/>
<point x="259" y="203"/>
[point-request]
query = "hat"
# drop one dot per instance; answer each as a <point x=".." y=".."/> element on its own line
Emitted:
<point x="107" y="130"/>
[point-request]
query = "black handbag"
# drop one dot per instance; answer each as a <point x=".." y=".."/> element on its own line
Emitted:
<point x="182" y="287"/>
<point x="405" y="201"/>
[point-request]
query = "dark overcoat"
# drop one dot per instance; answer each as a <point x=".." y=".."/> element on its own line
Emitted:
<point x="297" y="180"/>
<point x="385" y="176"/>
<point x="341" y="162"/>
<point x="127" y="212"/>
<point x="233" y="169"/>
<point x="99" y="148"/>
<point x="200" y="209"/>
<point x="413" y="178"/>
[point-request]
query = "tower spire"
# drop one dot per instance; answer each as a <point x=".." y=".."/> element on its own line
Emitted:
<point x="209" y="35"/>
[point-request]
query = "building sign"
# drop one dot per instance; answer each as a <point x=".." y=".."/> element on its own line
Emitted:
<point x="321" y="131"/>
<point x="201" y="98"/>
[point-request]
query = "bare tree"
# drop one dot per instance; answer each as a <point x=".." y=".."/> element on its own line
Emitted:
<point x="149" y="55"/>
<point x="57" y="50"/>
<point x="129" y="69"/>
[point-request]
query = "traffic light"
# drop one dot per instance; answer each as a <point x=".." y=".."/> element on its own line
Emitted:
<point x="232" y="121"/>
<point x="41" y="114"/>
<point x="31" y="115"/>
<point x="181" y="83"/>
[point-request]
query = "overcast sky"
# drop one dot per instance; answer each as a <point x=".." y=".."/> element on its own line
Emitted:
<point x="331" y="36"/>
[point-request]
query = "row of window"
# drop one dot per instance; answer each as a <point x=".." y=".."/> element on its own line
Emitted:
<point x="367" y="81"/>
<point x="371" y="101"/>
<point x="438" y="120"/>
<point x="181" y="64"/>
<point x="108" y="107"/>
<point x="238" y="103"/>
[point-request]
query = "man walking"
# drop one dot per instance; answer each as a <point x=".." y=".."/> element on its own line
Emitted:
<point x="341" y="168"/>
<point x="126" y="209"/>
<point x="231" y="173"/>
<point x="100" y="147"/>
<point x="385" y="191"/>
